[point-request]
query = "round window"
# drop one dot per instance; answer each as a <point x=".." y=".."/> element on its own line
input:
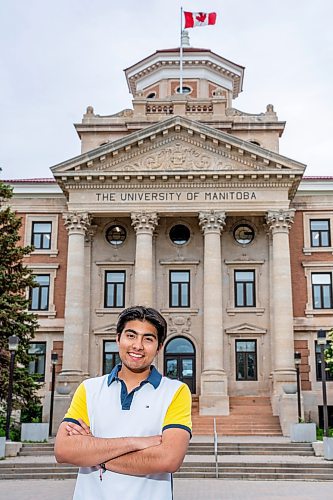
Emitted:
<point x="116" y="235"/>
<point x="185" y="90"/>
<point x="179" y="234"/>
<point x="243" y="234"/>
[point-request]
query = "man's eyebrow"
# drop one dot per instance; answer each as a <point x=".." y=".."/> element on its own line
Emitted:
<point x="150" y="334"/>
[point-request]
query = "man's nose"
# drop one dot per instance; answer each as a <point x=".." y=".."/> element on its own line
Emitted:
<point x="138" y="342"/>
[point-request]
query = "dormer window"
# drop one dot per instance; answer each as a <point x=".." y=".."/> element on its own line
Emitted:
<point x="151" y="95"/>
<point x="256" y="143"/>
<point x="185" y="90"/>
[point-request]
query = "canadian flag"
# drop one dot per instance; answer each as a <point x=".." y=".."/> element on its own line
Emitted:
<point x="193" y="19"/>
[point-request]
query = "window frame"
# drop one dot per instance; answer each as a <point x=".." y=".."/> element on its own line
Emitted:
<point x="255" y="379"/>
<point x="320" y="232"/>
<point x="187" y="285"/>
<point x="321" y="287"/>
<point x="240" y="265"/>
<point x="104" y="372"/>
<point x="116" y="285"/>
<point x="51" y="270"/>
<point x="42" y="235"/>
<point x="50" y="218"/>
<point x="307" y="217"/>
<point x="329" y="376"/>
<point x="39" y="294"/>
<point x="245" y="288"/>
<point x="39" y="376"/>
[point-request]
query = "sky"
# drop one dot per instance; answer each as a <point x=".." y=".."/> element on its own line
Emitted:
<point x="59" y="56"/>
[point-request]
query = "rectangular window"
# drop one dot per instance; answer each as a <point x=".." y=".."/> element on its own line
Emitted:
<point x="39" y="295"/>
<point x="114" y="289"/>
<point x="245" y="289"/>
<point x="179" y="287"/>
<point x="329" y="376"/>
<point x="110" y="355"/>
<point x="321" y="290"/>
<point x="41" y="235"/>
<point x="246" y="360"/>
<point x="320" y="233"/>
<point x="37" y="352"/>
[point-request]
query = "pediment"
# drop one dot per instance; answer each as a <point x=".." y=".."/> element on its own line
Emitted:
<point x="245" y="328"/>
<point x="107" y="330"/>
<point x="177" y="145"/>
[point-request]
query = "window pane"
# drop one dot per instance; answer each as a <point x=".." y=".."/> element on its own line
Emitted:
<point x="179" y="345"/>
<point x="44" y="298"/>
<point x="111" y="346"/>
<point x="187" y="367"/>
<point x="37" y="240"/>
<point x="249" y="294"/>
<point x="324" y="240"/>
<point x="115" y="277"/>
<point x="246" y="346"/>
<point x="34" y="298"/>
<point x="240" y="366"/>
<point x="244" y="275"/>
<point x="180" y="276"/>
<point x="184" y="292"/>
<point x="171" y="368"/>
<point x="42" y="279"/>
<point x="42" y="227"/>
<point x="174" y="295"/>
<point x="120" y="291"/>
<point x="250" y="367"/>
<point x="318" y="279"/>
<point x="327" y="303"/>
<point x="239" y="295"/>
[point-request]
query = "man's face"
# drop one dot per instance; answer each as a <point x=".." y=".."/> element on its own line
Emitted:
<point x="138" y="345"/>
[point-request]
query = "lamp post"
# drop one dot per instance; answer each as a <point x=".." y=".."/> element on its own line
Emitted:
<point x="13" y="342"/>
<point x="321" y="339"/>
<point x="54" y="361"/>
<point x="298" y="361"/>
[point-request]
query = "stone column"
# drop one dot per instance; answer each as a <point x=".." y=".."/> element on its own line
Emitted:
<point x="214" y="398"/>
<point x="279" y="223"/>
<point x="76" y="225"/>
<point x="144" y="224"/>
<point x="73" y="366"/>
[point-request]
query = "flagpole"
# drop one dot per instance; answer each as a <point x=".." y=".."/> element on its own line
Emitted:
<point x="181" y="53"/>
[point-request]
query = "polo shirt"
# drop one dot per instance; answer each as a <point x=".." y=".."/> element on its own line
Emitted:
<point x="104" y="404"/>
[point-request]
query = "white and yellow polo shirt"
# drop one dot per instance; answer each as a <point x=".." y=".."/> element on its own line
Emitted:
<point x="104" y="404"/>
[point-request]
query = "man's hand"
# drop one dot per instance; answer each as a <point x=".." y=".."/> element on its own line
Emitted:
<point x="78" y="430"/>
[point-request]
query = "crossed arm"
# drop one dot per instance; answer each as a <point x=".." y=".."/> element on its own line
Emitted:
<point x="129" y="455"/>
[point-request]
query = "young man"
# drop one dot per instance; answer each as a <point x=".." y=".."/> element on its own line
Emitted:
<point x="129" y="430"/>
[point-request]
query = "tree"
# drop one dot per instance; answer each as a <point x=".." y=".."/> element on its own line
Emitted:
<point x="15" y="318"/>
<point x="329" y="352"/>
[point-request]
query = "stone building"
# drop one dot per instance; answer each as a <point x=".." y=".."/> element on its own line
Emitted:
<point x="184" y="203"/>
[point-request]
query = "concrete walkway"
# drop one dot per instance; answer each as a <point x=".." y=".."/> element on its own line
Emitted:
<point x="194" y="489"/>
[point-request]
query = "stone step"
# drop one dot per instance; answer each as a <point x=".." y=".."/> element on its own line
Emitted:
<point x="255" y="471"/>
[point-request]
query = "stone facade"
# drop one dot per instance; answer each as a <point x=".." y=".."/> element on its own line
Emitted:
<point x="184" y="203"/>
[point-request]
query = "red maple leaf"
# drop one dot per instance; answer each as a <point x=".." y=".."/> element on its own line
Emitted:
<point x="201" y="17"/>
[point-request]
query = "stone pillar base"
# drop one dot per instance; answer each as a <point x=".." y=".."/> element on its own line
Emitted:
<point x="66" y="383"/>
<point x="214" y="399"/>
<point x="288" y="412"/>
<point x="279" y="379"/>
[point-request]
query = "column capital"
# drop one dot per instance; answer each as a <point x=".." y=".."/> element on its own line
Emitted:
<point x="144" y="222"/>
<point x="280" y="220"/>
<point x="77" y="222"/>
<point x="212" y="221"/>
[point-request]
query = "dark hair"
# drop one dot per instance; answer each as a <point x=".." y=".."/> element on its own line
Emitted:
<point x="143" y="314"/>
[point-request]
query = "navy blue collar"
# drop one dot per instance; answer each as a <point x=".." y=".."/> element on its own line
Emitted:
<point x="154" y="377"/>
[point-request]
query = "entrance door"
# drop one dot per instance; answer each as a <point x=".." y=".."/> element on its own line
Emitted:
<point x="179" y="361"/>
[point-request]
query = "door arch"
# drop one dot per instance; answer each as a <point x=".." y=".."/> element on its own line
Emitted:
<point x="179" y="361"/>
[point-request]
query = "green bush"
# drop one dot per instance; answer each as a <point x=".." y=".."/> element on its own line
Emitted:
<point x="320" y="433"/>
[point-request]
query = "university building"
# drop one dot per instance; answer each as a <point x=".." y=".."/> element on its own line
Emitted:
<point x="184" y="203"/>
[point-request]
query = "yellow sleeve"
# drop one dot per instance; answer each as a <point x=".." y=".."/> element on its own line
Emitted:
<point x="179" y="411"/>
<point x="78" y="408"/>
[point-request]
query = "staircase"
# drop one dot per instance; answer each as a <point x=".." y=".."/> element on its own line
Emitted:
<point x="258" y="471"/>
<point x="36" y="449"/>
<point x="286" y="449"/>
<point x="249" y="416"/>
<point x="199" y="463"/>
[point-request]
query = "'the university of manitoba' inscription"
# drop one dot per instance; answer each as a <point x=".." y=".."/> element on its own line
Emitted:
<point x="174" y="196"/>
